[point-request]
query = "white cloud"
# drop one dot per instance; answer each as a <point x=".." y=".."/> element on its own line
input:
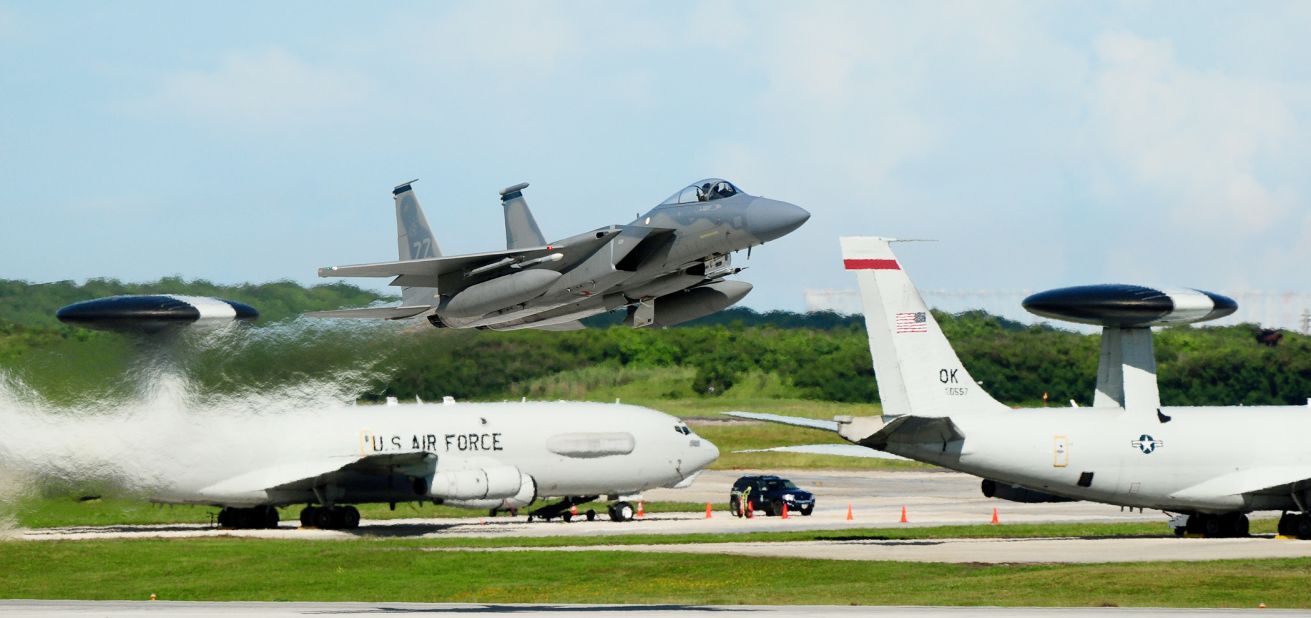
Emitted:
<point x="509" y="43"/>
<point x="1196" y="138"/>
<point x="262" y="90"/>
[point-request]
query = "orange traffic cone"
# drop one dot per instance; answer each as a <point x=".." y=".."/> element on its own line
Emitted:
<point x="903" y="514"/>
<point x="849" y="515"/>
<point x="995" y="521"/>
<point x="750" y="509"/>
<point x="573" y="510"/>
<point x="707" y="510"/>
<point x="785" y="510"/>
<point x="641" y="510"/>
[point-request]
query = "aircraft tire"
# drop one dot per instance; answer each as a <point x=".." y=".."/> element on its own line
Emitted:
<point x="268" y="517"/>
<point x="1287" y="525"/>
<point x="350" y="518"/>
<point x="225" y="518"/>
<point x="1304" y="527"/>
<point x="1237" y="525"/>
<point x="308" y="516"/>
<point x="591" y="514"/>
<point x="1213" y="527"/>
<point x="567" y="517"/>
<point x="324" y="519"/>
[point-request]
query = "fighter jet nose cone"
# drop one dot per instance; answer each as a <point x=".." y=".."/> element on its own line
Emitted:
<point x="770" y="219"/>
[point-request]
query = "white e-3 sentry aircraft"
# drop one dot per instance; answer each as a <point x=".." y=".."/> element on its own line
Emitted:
<point x="485" y="455"/>
<point x="1125" y="450"/>
<point x="494" y="456"/>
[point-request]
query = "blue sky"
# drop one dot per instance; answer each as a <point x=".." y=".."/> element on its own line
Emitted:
<point x="1043" y="143"/>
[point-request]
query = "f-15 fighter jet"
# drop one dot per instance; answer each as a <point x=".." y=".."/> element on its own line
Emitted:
<point x="667" y="266"/>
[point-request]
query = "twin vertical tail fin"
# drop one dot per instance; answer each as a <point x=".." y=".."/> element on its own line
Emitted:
<point x="521" y="231"/>
<point x="413" y="237"/>
<point x="414" y="241"/>
<point x="917" y="370"/>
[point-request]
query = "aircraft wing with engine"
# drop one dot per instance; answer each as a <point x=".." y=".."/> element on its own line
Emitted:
<point x="1265" y="479"/>
<point x="315" y="473"/>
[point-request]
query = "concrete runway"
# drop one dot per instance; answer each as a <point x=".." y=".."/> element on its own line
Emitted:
<point x="931" y="498"/>
<point x="205" y="610"/>
<point x="876" y="498"/>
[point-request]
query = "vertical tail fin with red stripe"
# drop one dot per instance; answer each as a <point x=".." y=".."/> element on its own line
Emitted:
<point x="917" y="370"/>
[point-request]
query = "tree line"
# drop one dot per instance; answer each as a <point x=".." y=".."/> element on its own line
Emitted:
<point x="819" y="356"/>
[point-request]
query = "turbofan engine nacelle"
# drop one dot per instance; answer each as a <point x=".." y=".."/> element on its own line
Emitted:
<point x="496" y="482"/>
<point x="1015" y="493"/>
<point x="526" y="496"/>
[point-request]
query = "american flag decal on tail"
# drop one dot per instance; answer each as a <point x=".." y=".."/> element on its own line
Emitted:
<point x="912" y="322"/>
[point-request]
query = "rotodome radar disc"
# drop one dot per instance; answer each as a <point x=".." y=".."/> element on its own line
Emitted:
<point x="152" y="313"/>
<point x="1129" y="305"/>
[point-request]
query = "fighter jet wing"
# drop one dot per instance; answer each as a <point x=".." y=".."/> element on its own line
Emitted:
<point x="419" y="463"/>
<point x="373" y="313"/>
<point x="1249" y="481"/>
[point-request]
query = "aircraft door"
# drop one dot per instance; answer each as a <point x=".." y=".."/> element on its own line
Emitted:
<point x="1060" y="451"/>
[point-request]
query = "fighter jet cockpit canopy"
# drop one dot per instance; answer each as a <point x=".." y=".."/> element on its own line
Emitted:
<point x="706" y="190"/>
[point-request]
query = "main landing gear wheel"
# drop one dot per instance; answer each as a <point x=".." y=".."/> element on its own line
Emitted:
<point x="1296" y="524"/>
<point x="1218" y="526"/>
<point x="335" y="518"/>
<point x="621" y="511"/>
<point x="252" y="518"/>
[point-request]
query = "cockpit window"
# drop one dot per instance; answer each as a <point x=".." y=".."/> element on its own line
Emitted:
<point x="706" y="190"/>
<point x="683" y="429"/>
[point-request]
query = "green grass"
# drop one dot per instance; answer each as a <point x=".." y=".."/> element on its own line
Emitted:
<point x="264" y="570"/>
